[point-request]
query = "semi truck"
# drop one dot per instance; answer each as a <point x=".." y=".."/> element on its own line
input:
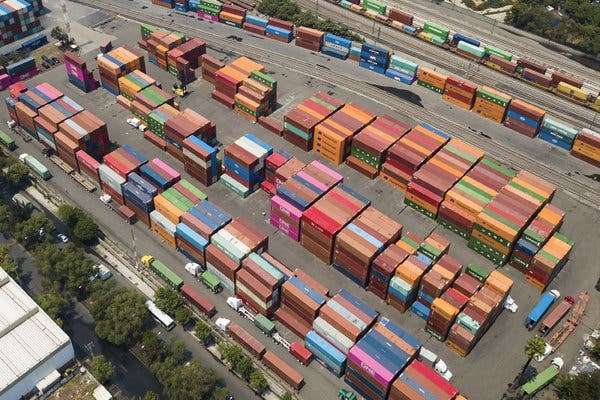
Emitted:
<point x="540" y="308"/>
<point x="37" y="167"/>
<point x="556" y="315"/>
<point x="542" y="379"/>
<point x="211" y="281"/>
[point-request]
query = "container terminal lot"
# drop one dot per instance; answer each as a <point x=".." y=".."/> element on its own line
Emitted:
<point x="498" y="356"/>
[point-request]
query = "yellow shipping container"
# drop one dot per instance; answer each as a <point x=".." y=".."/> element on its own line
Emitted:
<point x="443" y="271"/>
<point x="422" y="203"/>
<point x="496" y="227"/>
<point x="247" y="65"/>
<point x="457" y="102"/>
<point x="499" y="283"/>
<point x="572" y="91"/>
<point x="443" y="308"/>
<point x="409" y="272"/>
<point x="166" y="208"/>
<point x="461" y="200"/>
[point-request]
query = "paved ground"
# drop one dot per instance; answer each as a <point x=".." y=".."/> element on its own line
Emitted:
<point x="495" y="360"/>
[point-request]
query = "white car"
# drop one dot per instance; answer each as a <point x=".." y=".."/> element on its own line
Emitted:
<point x="62" y="238"/>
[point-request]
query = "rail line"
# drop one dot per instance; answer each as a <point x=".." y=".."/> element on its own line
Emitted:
<point x="562" y="108"/>
<point x="547" y="58"/>
<point x="572" y="187"/>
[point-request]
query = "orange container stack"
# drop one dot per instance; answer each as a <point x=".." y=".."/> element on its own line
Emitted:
<point x="159" y="44"/>
<point x="460" y="92"/>
<point x="134" y="82"/>
<point x="333" y="136"/>
<point x="229" y="78"/>
<point x="491" y="103"/>
<point x="410" y="152"/>
<point x="548" y="261"/>
<point x="431" y="79"/>
<point x="117" y="63"/>
<point x="587" y="146"/>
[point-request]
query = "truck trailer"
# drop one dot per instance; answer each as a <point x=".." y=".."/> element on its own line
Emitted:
<point x="540" y="308"/>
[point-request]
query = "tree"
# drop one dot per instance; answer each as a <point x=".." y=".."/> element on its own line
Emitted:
<point x="54" y="303"/>
<point x="203" y="332"/>
<point x="596" y="349"/>
<point x="580" y="387"/>
<point x="121" y="322"/>
<point x="245" y="367"/>
<point x="177" y="350"/>
<point x="258" y="382"/>
<point x="102" y="369"/>
<point x="68" y="267"/>
<point x="17" y="175"/>
<point x="190" y="381"/>
<point x="184" y="315"/>
<point x="535" y="346"/>
<point x="220" y="393"/>
<point x="153" y="349"/>
<point x="60" y="35"/>
<point x="86" y="229"/>
<point x="7" y="263"/>
<point x="28" y="232"/>
<point x="149" y="395"/>
<point x="69" y="215"/>
<point x="287" y="396"/>
<point x="233" y="354"/>
<point x="168" y="300"/>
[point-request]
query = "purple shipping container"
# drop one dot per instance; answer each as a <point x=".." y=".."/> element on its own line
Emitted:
<point x="286" y="208"/>
<point x="176" y="176"/>
<point x="372" y="367"/>
<point x="208" y="17"/>
<point x="4" y="81"/>
<point x="312" y="180"/>
<point x="25" y="75"/>
<point x="291" y="231"/>
<point x="74" y="70"/>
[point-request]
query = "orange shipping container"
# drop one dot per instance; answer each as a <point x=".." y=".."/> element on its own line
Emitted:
<point x="432" y="77"/>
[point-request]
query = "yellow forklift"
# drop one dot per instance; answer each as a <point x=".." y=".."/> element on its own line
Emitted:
<point x="180" y="89"/>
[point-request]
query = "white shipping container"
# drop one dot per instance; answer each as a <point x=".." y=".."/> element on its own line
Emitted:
<point x="163" y="222"/>
<point x="196" y="159"/>
<point x="332" y="335"/>
<point x="353" y="319"/>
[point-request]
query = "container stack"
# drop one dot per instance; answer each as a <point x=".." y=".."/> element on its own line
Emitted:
<point x="111" y="182"/>
<point x="374" y="7"/>
<point x="308" y="38"/>
<point x="548" y="261"/>
<point x="158" y="117"/>
<point x="66" y="149"/>
<point x="499" y="225"/>
<point x="89" y="132"/>
<point x="326" y="217"/>
<point x="210" y="66"/>
<point x="258" y="284"/>
<point x="159" y="44"/>
<point x="78" y="73"/>
<point x="402" y="70"/>
<point x="190" y="243"/>
<point x="545" y="224"/>
<point x="431" y="80"/>
<point x="404" y="285"/>
<point x="466" y="284"/>
<point x="159" y="174"/>
<point x="429" y="184"/>
<point x="139" y="195"/>
<point x="279" y="30"/>
<point x="441" y="318"/>
<point x="410" y="152"/>
<point x="374" y="58"/>
<point x="187" y="124"/>
<point x="255" y="24"/>
<point x="470" y="50"/>
<point x="124" y="160"/>
<point x="377" y="359"/>
<point x="273" y="163"/>
<point x="333" y="136"/>
<point x="501" y="64"/>
<point x="354" y="53"/>
<point x="419" y="382"/>
<point x="147" y="100"/>
<point x="88" y="166"/>
<point x="227" y="81"/>
<point x="256" y="96"/>
<point x="587" y="146"/>
<point x="370" y="145"/>
<point x="117" y="63"/>
<point x="51" y="115"/>
<point x="300" y="303"/>
<point x="209" y="10"/>
<point x="19" y="19"/>
<point x="434" y="33"/>
<point x="200" y="160"/>
<point x="463" y="203"/>
<point x="134" y="82"/>
<point x="25" y="116"/>
<point x="232" y="15"/>
<point x="558" y="133"/>
<point x="333" y="359"/>
<point x="383" y="269"/>
<point x="287" y="170"/>
<point x="163" y="3"/>
<point x="244" y="164"/>
<point x="357" y="244"/>
<point x="233" y="243"/>
<point x="460" y="92"/>
<point x="183" y="60"/>
<point x="336" y="46"/>
<point x="433" y="284"/>
<point x="205" y="219"/>
<point x="164" y="227"/>
<point x="524" y="118"/>
<point x="22" y="70"/>
<point x="299" y="192"/>
<point x="491" y="104"/>
<point x="299" y="123"/>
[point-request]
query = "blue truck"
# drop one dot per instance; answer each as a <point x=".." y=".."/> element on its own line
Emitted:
<point x="540" y="308"/>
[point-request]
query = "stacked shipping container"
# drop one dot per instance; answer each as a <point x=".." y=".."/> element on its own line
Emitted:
<point x="78" y="73"/>
<point x="524" y="118"/>
<point x="258" y="284"/>
<point x="491" y="103"/>
<point x="548" y="261"/>
<point x="587" y="146"/>
<point x="460" y="92"/>
<point x="19" y="19"/>
<point x="117" y="63"/>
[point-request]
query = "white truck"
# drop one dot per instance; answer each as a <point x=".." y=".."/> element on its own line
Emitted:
<point x="103" y="272"/>
<point x="193" y="268"/>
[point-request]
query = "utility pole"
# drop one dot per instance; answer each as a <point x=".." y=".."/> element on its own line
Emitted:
<point x="135" y="255"/>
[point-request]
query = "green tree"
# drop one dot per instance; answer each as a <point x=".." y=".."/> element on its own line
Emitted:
<point x="17" y="175"/>
<point x="233" y="354"/>
<point x="68" y="267"/>
<point x="86" y="229"/>
<point x="184" y="315"/>
<point x="28" y="232"/>
<point x="596" y="349"/>
<point x="177" y="350"/>
<point x="153" y="349"/>
<point x="535" y="346"/>
<point x="60" y="35"/>
<point x="220" y="393"/>
<point x="258" y="382"/>
<point x="287" y="396"/>
<point x="8" y="264"/>
<point x="102" y="369"/>
<point x="122" y="321"/>
<point x="190" y="381"/>
<point x="168" y="300"/>
<point x="69" y="215"/>
<point x="580" y="387"/>
<point x="245" y="367"/>
<point x="54" y="303"/>
<point x="203" y="332"/>
<point x="149" y="395"/>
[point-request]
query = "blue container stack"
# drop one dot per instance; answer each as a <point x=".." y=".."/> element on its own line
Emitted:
<point x="374" y="58"/>
<point x="253" y="19"/>
<point x="210" y="215"/>
<point x="19" y="19"/>
<point x="139" y="196"/>
<point x="330" y="357"/>
<point x="279" y="32"/>
<point x="402" y="70"/>
<point x="190" y="243"/>
<point x="462" y="38"/>
<point x="193" y="5"/>
<point x="22" y="69"/>
<point x="245" y="179"/>
<point x="181" y="6"/>
<point x="336" y="46"/>
<point x="558" y="133"/>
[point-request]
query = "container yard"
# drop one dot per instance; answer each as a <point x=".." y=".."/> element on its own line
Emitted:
<point x="345" y="264"/>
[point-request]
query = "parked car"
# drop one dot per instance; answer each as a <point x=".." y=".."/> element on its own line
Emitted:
<point x="61" y="237"/>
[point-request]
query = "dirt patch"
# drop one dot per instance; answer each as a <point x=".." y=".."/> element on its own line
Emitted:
<point x="81" y="387"/>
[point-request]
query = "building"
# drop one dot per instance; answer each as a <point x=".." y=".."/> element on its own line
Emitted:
<point x="32" y="346"/>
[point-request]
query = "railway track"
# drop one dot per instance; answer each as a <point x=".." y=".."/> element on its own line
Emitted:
<point x="474" y="26"/>
<point x="565" y="110"/>
<point x="576" y="189"/>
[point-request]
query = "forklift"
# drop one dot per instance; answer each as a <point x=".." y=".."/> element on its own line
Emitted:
<point x="344" y="394"/>
<point x="180" y="89"/>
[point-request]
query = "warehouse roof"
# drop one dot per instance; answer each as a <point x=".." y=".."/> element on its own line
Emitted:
<point x="28" y="336"/>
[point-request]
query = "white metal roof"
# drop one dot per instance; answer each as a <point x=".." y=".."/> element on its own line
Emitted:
<point x="100" y="393"/>
<point x="28" y="336"/>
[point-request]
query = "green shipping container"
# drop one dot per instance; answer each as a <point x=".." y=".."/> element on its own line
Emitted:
<point x="504" y="171"/>
<point x="210" y="280"/>
<point x="195" y="191"/>
<point x="147" y="30"/>
<point x="419" y="208"/>
<point x="374" y="5"/>
<point x="477" y="272"/>
<point x="264" y="324"/>
<point x="454" y="228"/>
<point x="493" y="97"/>
<point x="404" y="65"/>
<point x="469" y="48"/>
<point x="169" y="276"/>
<point x="430" y="251"/>
<point x="430" y="86"/>
<point x="436" y="30"/>
<point x="265" y="79"/>
<point x="489" y="50"/>
<point x="234" y="186"/>
<point x="437" y="40"/>
<point x="297" y="131"/>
